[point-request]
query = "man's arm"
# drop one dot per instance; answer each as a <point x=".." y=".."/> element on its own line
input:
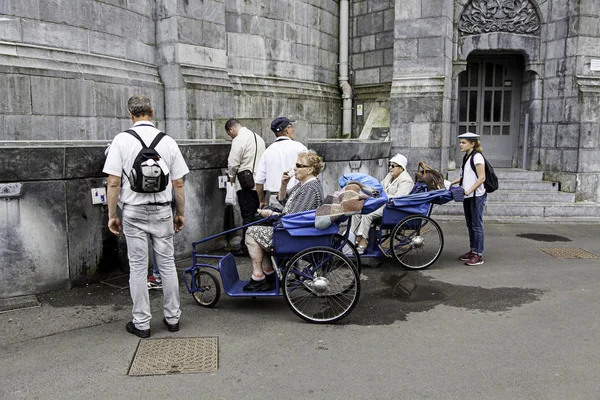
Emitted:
<point x="179" y="220"/>
<point x="234" y="160"/>
<point x="260" y="191"/>
<point x="113" y="189"/>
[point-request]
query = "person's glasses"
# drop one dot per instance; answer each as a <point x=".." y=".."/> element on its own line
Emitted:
<point x="393" y="166"/>
<point x="301" y="166"/>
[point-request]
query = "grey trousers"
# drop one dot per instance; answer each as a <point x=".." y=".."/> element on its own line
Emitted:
<point x="155" y="223"/>
<point x="362" y="223"/>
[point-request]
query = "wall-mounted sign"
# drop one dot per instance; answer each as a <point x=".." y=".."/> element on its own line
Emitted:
<point x="359" y="110"/>
<point x="595" y="64"/>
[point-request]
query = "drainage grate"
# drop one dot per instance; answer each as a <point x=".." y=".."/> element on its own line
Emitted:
<point x="567" y="252"/>
<point x="175" y="356"/>
<point x="18" y="303"/>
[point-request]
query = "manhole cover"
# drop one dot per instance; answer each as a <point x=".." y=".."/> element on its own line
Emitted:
<point x="567" y="252"/>
<point x="120" y="282"/>
<point x="175" y="356"/>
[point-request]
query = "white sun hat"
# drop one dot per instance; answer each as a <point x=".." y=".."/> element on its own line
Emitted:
<point x="468" y="135"/>
<point x="400" y="160"/>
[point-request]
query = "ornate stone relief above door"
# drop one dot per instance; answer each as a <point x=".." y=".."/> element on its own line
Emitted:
<point x="512" y="16"/>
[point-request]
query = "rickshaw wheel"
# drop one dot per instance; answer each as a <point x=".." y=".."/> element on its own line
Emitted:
<point x="211" y="291"/>
<point x="416" y="242"/>
<point x="348" y="249"/>
<point x="321" y="285"/>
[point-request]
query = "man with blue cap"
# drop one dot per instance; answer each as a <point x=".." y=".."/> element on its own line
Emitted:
<point x="278" y="158"/>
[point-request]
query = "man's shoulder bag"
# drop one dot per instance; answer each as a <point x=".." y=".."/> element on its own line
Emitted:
<point x="246" y="177"/>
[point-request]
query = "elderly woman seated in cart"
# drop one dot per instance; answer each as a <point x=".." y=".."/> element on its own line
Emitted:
<point x="306" y="195"/>
<point x="397" y="183"/>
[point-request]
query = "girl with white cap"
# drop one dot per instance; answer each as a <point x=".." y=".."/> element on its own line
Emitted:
<point x="475" y="195"/>
<point x="396" y="183"/>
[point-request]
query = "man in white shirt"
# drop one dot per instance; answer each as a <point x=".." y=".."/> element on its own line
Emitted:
<point x="147" y="215"/>
<point x="246" y="151"/>
<point x="278" y="158"/>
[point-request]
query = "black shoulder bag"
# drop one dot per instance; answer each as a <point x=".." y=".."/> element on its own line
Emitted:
<point x="246" y="178"/>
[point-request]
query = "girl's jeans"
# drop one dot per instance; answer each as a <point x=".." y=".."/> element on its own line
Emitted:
<point x="474" y="216"/>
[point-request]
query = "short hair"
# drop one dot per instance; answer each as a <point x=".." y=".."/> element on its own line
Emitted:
<point x="139" y="105"/>
<point x="231" y="123"/>
<point x="313" y="160"/>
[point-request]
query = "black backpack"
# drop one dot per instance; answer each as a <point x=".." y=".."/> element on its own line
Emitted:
<point x="491" y="180"/>
<point x="146" y="174"/>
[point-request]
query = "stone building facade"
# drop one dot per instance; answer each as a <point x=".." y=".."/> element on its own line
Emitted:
<point x="515" y="71"/>
<point x="525" y="74"/>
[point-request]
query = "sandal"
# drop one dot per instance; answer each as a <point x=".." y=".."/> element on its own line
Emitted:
<point x="361" y="249"/>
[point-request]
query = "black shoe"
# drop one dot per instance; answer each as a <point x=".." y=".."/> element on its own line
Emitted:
<point x="257" y="286"/>
<point x="271" y="279"/>
<point x="130" y="327"/>
<point x="171" y="327"/>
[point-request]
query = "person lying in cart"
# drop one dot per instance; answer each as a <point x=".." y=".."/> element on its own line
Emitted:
<point x="306" y="195"/>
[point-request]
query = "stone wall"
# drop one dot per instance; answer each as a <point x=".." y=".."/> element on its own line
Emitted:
<point x="372" y="60"/>
<point x="53" y="236"/>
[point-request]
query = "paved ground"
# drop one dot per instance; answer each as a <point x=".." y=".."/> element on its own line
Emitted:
<point x="522" y="326"/>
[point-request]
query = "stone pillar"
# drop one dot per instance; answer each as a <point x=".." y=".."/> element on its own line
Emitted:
<point x="421" y="88"/>
<point x="192" y="61"/>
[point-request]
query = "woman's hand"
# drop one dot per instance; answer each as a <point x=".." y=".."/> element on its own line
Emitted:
<point x="265" y="213"/>
<point x="285" y="178"/>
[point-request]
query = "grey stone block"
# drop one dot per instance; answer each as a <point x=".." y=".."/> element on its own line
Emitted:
<point x="373" y="58"/>
<point x="10" y="29"/>
<point x="107" y="44"/>
<point x="378" y="5"/>
<point x="23" y="164"/>
<point x="142" y="7"/>
<point x="589" y="160"/>
<point x="407" y="10"/>
<point x="367" y="76"/>
<point x="384" y="40"/>
<point x="54" y="35"/>
<point x="367" y="43"/>
<point x="388" y="20"/>
<point x="421" y="28"/>
<point x="31" y="127"/>
<point x="556" y="49"/>
<point x="357" y="61"/>
<point x="548" y="135"/>
<point x="38" y="254"/>
<point x="55" y="96"/>
<point x="141" y="52"/>
<point x="590" y="133"/>
<point x="369" y="24"/>
<point x="109" y="19"/>
<point x="388" y="57"/>
<point x="570" y="160"/>
<point x="386" y="74"/>
<point x="405" y="48"/>
<point x="430" y="66"/>
<point x="189" y="30"/>
<point x="213" y="35"/>
<point x="20" y="8"/>
<point x="359" y="7"/>
<point x="567" y="135"/>
<point x="431" y="47"/>
<point x="15" y="94"/>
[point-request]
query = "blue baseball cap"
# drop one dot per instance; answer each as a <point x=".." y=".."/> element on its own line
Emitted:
<point x="280" y="123"/>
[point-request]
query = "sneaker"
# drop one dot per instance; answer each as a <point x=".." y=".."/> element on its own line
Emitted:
<point x="153" y="283"/>
<point x="171" y="327"/>
<point x="257" y="286"/>
<point x="130" y="327"/>
<point x="466" y="256"/>
<point x="475" y="260"/>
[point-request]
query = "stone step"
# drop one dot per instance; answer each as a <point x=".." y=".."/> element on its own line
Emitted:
<point x="545" y="186"/>
<point x="518" y="209"/>
<point x="529" y="196"/>
<point x="509" y="174"/>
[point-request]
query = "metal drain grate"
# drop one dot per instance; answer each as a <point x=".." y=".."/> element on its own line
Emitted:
<point x="175" y="356"/>
<point x="18" y="303"/>
<point x="567" y="252"/>
<point x="119" y="282"/>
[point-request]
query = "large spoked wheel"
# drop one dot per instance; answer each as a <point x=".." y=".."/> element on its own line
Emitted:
<point x="210" y="291"/>
<point x="321" y="285"/>
<point x="348" y="249"/>
<point x="416" y="242"/>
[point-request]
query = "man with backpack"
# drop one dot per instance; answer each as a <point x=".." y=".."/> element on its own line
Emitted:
<point x="145" y="170"/>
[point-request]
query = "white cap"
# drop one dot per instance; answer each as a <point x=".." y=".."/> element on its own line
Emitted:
<point x="468" y="135"/>
<point x="400" y="160"/>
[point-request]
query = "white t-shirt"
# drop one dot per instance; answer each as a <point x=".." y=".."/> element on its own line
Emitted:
<point x="279" y="157"/>
<point x="122" y="153"/>
<point x="469" y="176"/>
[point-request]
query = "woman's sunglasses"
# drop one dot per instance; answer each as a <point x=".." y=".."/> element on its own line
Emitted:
<point x="301" y="166"/>
<point x="393" y="166"/>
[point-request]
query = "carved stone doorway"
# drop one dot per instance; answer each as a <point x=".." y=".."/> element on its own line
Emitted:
<point x="489" y="98"/>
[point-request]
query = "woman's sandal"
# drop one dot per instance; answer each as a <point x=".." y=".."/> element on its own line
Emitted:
<point x="361" y="249"/>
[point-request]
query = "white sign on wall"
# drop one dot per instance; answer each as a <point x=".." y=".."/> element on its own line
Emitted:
<point x="595" y="65"/>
